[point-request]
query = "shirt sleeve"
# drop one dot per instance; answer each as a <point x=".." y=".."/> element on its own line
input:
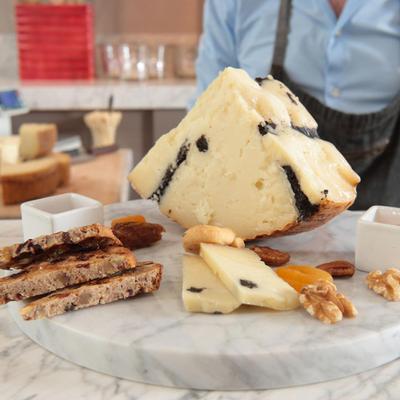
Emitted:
<point x="217" y="45"/>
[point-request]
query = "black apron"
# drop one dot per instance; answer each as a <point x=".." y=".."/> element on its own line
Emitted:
<point x="369" y="142"/>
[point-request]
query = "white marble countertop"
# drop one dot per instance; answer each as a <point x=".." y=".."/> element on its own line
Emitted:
<point x="87" y="95"/>
<point x="29" y="372"/>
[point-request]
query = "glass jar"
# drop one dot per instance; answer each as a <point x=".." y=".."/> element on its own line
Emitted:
<point x="156" y="61"/>
<point x="133" y="61"/>
<point x="109" y="61"/>
<point x="185" y="61"/>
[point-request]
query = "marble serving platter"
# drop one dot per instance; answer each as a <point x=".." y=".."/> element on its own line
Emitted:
<point x="152" y="339"/>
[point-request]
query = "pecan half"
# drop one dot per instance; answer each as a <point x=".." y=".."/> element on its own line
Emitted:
<point x="338" y="268"/>
<point x="271" y="257"/>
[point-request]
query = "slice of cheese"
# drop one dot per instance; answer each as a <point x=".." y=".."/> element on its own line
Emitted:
<point x="247" y="157"/>
<point x="36" y="140"/>
<point x="248" y="278"/>
<point x="103" y="126"/>
<point x="202" y="291"/>
<point x="9" y="149"/>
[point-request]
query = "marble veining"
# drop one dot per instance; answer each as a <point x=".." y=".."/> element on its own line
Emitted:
<point x="248" y="349"/>
<point x="27" y="371"/>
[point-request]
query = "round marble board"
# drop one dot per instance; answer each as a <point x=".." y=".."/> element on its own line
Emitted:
<point x="152" y="339"/>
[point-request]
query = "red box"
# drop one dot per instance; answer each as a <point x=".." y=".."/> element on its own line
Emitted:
<point x="55" y="41"/>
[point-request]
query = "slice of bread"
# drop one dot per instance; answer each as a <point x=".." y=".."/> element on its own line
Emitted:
<point x="145" y="278"/>
<point x="45" y="277"/>
<point x="50" y="247"/>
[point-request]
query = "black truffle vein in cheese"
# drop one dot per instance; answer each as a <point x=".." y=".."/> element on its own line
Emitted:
<point x="202" y="144"/>
<point x="303" y="204"/>
<point x="193" y="289"/>
<point x="169" y="173"/>
<point x="266" y="127"/>
<point x="248" y="284"/>
<point x="309" y="132"/>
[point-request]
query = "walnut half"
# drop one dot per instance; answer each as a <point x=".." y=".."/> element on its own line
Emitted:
<point x="386" y="284"/>
<point x="324" y="302"/>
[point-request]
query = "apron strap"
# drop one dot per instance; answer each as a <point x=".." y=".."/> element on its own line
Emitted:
<point x="281" y="38"/>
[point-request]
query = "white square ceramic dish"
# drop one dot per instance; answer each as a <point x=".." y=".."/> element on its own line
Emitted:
<point x="59" y="213"/>
<point x="378" y="239"/>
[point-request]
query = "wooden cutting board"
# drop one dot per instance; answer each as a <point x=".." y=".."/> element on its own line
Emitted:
<point x="103" y="178"/>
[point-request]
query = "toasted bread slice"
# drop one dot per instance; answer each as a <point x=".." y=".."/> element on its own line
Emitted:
<point x="47" y="276"/>
<point x="52" y="246"/>
<point x="145" y="278"/>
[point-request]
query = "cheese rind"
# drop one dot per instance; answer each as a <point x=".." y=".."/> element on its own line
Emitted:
<point x="248" y="278"/>
<point x="202" y="291"/>
<point x="239" y="159"/>
<point x="36" y="140"/>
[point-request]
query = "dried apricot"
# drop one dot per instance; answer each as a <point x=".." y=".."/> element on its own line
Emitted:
<point x="297" y="276"/>
<point x="130" y="218"/>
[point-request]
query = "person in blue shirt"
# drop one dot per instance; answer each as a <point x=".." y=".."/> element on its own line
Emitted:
<point x="342" y="58"/>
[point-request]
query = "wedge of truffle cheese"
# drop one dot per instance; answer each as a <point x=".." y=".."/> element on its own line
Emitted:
<point x="202" y="291"/>
<point x="248" y="278"/>
<point x="300" y="119"/>
<point x="247" y="157"/>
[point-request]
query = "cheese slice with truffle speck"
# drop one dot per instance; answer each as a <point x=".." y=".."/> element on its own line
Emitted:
<point x="247" y="157"/>
<point x="248" y="278"/>
<point x="202" y="291"/>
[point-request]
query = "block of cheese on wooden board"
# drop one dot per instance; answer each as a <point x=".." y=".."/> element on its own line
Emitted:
<point x="33" y="179"/>
<point x="36" y="140"/>
<point x="248" y="279"/>
<point x="202" y="291"/>
<point x="9" y="149"/>
<point x="247" y="157"/>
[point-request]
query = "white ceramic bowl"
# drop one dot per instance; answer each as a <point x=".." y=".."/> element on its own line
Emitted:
<point x="59" y="213"/>
<point x="378" y="239"/>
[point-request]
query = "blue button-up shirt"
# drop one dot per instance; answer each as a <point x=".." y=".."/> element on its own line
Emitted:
<point x="350" y="63"/>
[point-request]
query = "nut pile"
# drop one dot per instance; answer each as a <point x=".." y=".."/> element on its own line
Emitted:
<point x="386" y="284"/>
<point x="322" y="301"/>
